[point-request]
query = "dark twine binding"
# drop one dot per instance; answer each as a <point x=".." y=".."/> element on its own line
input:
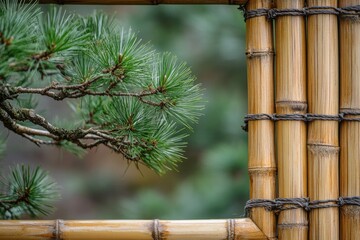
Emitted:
<point x="282" y="204"/>
<point x="350" y="12"/>
<point x="308" y="117"/>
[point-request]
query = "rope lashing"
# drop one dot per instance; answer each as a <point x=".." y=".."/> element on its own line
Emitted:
<point x="350" y="11"/>
<point x="282" y="204"/>
<point x="307" y="117"/>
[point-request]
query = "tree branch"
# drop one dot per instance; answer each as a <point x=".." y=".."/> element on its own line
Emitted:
<point x="81" y="137"/>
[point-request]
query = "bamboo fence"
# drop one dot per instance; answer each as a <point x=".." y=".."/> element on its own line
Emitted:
<point x="261" y="159"/>
<point x="144" y="2"/>
<point x="350" y="130"/>
<point x="323" y="142"/>
<point x="291" y="135"/>
<point x="240" y="229"/>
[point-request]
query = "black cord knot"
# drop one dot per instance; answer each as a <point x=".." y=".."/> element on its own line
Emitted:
<point x="341" y="201"/>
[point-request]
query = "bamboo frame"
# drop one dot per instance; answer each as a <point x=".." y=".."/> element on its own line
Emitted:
<point x="349" y="131"/>
<point x="144" y="2"/>
<point x="261" y="159"/>
<point x="323" y="142"/>
<point x="240" y="229"/>
<point x="322" y="136"/>
<point x="291" y="135"/>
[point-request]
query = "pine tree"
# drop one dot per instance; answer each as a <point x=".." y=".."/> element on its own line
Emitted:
<point x="124" y="95"/>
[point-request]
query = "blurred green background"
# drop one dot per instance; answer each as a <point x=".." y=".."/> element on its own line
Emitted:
<point x="213" y="181"/>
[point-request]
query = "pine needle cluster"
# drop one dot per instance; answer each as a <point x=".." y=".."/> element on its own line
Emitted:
<point x="27" y="191"/>
<point x="124" y="94"/>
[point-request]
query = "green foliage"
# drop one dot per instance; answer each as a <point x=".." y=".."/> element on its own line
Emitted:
<point x="124" y="94"/>
<point x="27" y="191"/>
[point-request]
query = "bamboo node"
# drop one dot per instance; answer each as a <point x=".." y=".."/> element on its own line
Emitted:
<point x="351" y="211"/>
<point x="297" y="106"/>
<point x="155" y="230"/>
<point x="263" y="171"/>
<point x="57" y="229"/>
<point x="292" y="225"/>
<point x="322" y="149"/>
<point x="231" y="229"/>
<point x="252" y="54"/>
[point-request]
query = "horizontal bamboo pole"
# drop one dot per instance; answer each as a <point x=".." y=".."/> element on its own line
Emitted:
<point x="144" y="2"/>
<point x="260" y="78"/>
<point x="239" y="229"/>
<point x="323" y="141"/>
<point x="349" y="131"/>
<point x="291" y="135"/>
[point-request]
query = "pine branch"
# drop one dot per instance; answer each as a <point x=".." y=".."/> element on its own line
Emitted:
<point x="27" y="191"/>
<point x="125" y="96"/>
<point x="60" y="92"/>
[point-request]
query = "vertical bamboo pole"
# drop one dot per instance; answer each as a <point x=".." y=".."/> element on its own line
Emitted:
<point x="262" y="169"/>
<point x="350" y="131"/>
<point x="291" y="135"/>
<point x="323" y="93"/>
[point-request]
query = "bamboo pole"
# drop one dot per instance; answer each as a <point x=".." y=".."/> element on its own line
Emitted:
<point x="240" y="229"/>
<point x="349" y="131"/>
<point x="291" y="135"/>
<point x="143" y="2"/>
<point x="323" y="97"/>
<point x="261" y="163"/>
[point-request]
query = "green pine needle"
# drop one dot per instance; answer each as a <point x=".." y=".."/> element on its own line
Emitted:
<point x="27" y="191"/>
<point x="133" y="100"/>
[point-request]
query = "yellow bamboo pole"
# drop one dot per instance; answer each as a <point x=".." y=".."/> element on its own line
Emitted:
<point x="323" y="98"/>
<point x="350" y="131"/>
<point x="261" y="163"/>
<point x="240" y="229"/>
<point x="291" y="135"/>
<point x="143" y="2"/>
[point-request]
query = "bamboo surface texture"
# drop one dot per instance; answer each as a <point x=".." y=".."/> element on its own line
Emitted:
<point x="144" y="2"/>
<point x="239" y="229"/>
<point x="350" y="131"/>
<point x="291" y="135"/>
<point x="323" y="142"/>
<point x="261" y="162"/>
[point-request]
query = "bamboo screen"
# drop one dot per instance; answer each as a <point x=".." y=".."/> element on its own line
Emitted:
<point x="303" y="129"/>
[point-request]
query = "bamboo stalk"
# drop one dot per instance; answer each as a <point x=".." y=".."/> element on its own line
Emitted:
<point x="323" y="97"/>
<point x="261" y="162"/>
<point x="131" y="229"/>
<point x="144" y="2"/>
<point x="349" y="131"/>
<point x="291" y="135"/>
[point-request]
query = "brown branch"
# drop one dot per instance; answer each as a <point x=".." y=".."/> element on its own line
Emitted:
<point x="84" y="138"/>
<point x="21" y="130"/>
<point x="60" y="92"/>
